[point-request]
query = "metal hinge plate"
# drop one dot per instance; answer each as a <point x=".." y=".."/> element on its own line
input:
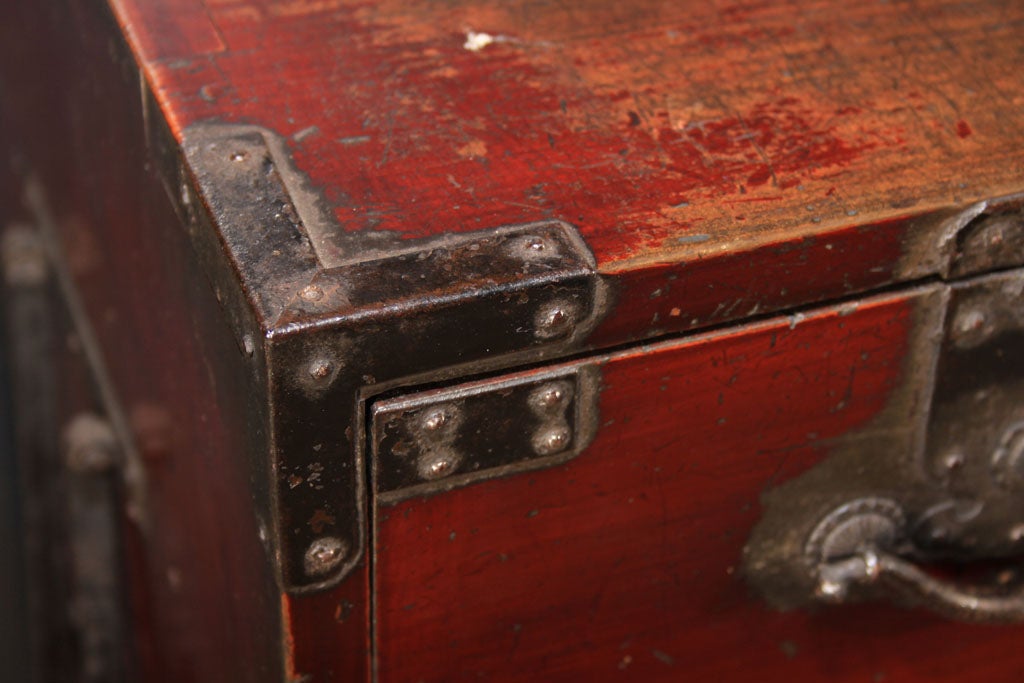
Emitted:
<point x="441" y="439"/>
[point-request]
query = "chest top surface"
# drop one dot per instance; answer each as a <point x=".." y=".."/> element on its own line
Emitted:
<point x="665" y="131"/>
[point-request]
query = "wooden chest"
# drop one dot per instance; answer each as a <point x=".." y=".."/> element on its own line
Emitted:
<point x="446" y="341"/>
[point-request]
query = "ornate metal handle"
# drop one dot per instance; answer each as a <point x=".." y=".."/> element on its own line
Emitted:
<point x="853" y="550"/>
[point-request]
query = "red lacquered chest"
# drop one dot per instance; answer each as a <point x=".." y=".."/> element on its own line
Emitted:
<point x="647" y="341"/>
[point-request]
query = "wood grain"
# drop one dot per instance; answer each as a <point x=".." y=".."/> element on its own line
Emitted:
<point x="722" y="160"/>
<point x="626" y="562"/>
<point x="666" y="131"/>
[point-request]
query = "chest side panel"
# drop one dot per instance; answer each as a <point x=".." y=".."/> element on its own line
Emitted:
<point x="627" y="561"/>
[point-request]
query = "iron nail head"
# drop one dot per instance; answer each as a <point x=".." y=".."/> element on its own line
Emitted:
<point x="551" y="397"/>
<point x="555" y="320"/>
<point x="324" y="555"/>
<point x="553" y="440"/>
<point x="312" y="293"/>
<point x="438" y="465"/>
<point x="321" y="369"/>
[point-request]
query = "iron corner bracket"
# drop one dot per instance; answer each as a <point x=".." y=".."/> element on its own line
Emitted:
<point x="330" y="317"/>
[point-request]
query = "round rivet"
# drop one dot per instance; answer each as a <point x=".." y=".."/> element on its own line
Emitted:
<point x="555" y="320"/>
<point x="953" y="461"/>
<point x="550" y="398"/>
<point x="435" y="420"/>
<point x="854" y="526"/>
<point x="533" y="247"/>
<point x="970" y="320"/>
<point x="831" y="590"/>
<point x="969" y="327"/>
<point x="321" y="369"/>
<point x="239" y="156"/>
<point x="554" y="440"/>
<point x="312" y="293"/>
<point x="438" y="464"/>
<point x="324" y="554"/>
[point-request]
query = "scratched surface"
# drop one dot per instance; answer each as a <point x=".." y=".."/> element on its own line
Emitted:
<point x="667" y="131"/>
<point x="626" y="563"/>
<point x="722" y="160"/>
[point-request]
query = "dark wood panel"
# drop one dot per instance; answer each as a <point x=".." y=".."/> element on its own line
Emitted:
<point x="202" y="595"/>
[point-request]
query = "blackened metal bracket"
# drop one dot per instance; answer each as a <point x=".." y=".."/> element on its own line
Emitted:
<point x="474" y="303"/>
<point x="330" y="318"/>
<point x="437" y="440"/>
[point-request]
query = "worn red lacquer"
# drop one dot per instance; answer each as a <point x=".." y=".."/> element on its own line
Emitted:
<point x="625" y="563"/>
<point x="646" y="124"/>
<point x="722" y="160"/>
<point x="670" y="134"/>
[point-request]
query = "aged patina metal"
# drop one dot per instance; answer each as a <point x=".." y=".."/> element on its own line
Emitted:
<point x="463" y="305"/>
<point x="944" y="487"/>
<point x="329" y="317"/>
<point x="91" y="453"/>
<point x="77" y="474"/>
<point x="994" y="239"/>
<point x="437" y="440"/>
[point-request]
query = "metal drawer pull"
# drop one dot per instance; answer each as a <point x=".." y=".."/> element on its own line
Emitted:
<point x="857" y="550"/>
<point x="890" y="576"/>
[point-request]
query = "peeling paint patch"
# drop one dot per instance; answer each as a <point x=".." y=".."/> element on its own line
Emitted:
<point x="305" y="133"/>
<point x="477" y="41"/>
<point x="475" y="148"/>
<point x="691" y="239"/>
<point x="354" y="140"/>
<point x="848" y="309"/>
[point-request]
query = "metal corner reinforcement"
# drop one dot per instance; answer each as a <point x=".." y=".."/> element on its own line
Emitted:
<point x="330" y="318"/>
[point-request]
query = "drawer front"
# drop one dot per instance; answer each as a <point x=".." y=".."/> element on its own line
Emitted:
<point x="628" y="558"/>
